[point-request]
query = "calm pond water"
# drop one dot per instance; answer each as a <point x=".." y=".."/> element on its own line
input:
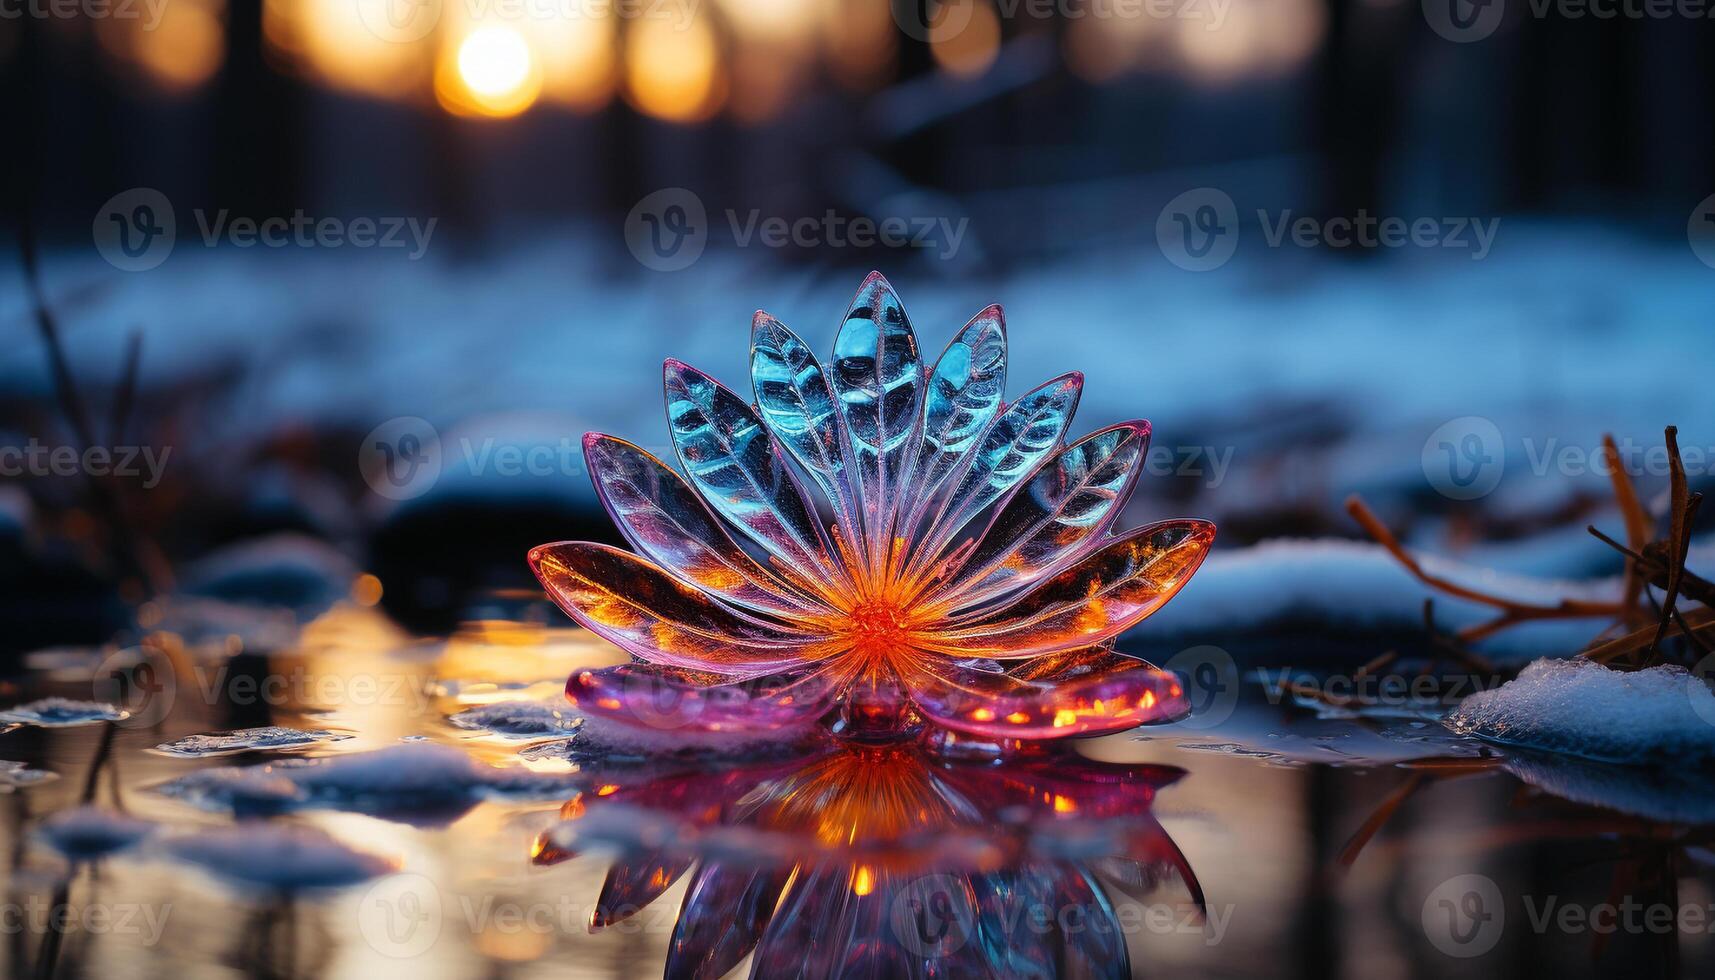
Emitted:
<point x="1256" y="839"/>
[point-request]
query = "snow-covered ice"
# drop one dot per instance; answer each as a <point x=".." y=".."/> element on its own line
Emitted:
<point x="1662" y="715"/>
<point x="247" y="740"/>
<point x="62" y="713"/>
<point x="87" y="832"/>
<point x="18" y="775"/>
<point x="275" y="856"/>
<point x="521" y="719"/>
<point x="420" y="781"/>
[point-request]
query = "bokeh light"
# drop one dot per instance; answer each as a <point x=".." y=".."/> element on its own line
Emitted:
<point x="673" y="72"/>
<point x="965" y="37"/>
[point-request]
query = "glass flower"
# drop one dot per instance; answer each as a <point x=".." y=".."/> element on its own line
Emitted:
<point x="878" y="860"/>
<point x="871" y="542"/>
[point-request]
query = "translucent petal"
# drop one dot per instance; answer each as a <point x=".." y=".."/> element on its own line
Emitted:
<point x="826" y="927"/>
<point x="798" y="407"/>
<point x="731" y="460"/>
<point x="652" y="697"/>
<point x="725" y="911"/>
<point x="1105" y="693"/>
<point x="633" y="603"/>
<point x="1108" y="592"/>
<point x="963" y="395"/>
<point x="664" y="519"/>
<point x="1014" y="445"/>
<point x="634" y="882"/>
<point x="877" y="381"/>
<point x="1060" y="513"/>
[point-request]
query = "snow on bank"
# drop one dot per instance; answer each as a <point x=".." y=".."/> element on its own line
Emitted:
<point x="1358" y="585"/>
<point x="1576" y="707"/>
<point x="420" y="779"/>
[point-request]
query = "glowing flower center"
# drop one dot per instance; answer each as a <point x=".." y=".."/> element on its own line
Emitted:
<point x="877" y="625"/>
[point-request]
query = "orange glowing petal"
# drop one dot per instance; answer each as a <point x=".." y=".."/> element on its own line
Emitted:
<point x="1131" y="577"/>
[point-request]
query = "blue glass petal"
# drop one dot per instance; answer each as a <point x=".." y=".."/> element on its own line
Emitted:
<point x="798" y="407"/>
<point x="1055" y="518"/>
<point x="963" y="395"/>
<point x="730" y="459"/>
<point x="1014" y="445"/>
<point x="877" y="379"/>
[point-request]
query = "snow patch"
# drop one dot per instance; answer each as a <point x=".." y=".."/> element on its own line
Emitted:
<point x="1579" y="707"/>
<point x="274" y="856"/>
<point x="88" y="832"/>
<point x="19" y="775"/>
<point x="62" y="713"/>
<point x="247" y="740"/>
<point x="521" y="719"/>
<point x="414" y="782"/>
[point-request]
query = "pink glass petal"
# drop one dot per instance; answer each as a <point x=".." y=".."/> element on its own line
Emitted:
<point x="877" y="381"/>
<point x="664" y="519"/>
<point x="725" y="912"/>
<point x="645" y="696"/>
<point x="1061" y="513"/>
<point x="632" y="883"/>
<point x="1104" y="595"/>
<point x="730" y="458"/>
<point x="964" y="394"/>
<point x="1111" y="693"/>
<point x="1012" y="448"/>
<point x="633" y="603"/>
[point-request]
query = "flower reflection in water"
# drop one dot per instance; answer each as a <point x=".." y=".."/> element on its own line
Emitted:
<point x="880" y="860"/>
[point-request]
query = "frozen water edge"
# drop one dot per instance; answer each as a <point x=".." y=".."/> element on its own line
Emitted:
<point x="1662" y="715"/>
